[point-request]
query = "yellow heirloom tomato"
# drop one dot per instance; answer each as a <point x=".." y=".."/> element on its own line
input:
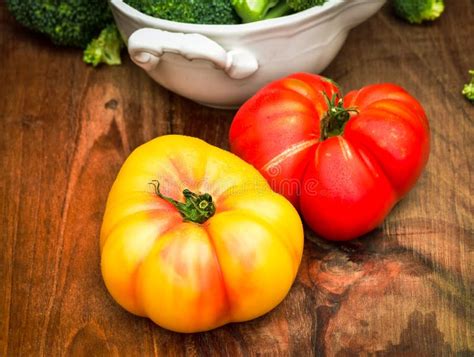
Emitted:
<point x="194" y="238"/>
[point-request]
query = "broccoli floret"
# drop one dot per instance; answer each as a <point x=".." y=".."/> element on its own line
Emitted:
<point x="105" y="48"/>
<point x="468" y="89"/>
<point x="300" y="5"/>
<point x="417" y="11"/>
<point x="65" y="22"/>
<point x="189" y="11"/>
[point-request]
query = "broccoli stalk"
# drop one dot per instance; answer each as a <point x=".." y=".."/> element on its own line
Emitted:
<point x="417" y="11"/>
<point x="251" y="10"/>
<point x="280" y="9"/>
<point x="468" y="89"/>
<point x="105" y="48"/>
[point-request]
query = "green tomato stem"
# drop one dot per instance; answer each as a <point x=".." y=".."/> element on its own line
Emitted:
<point x="197" y="208"/>
<point x="336" y="117"/>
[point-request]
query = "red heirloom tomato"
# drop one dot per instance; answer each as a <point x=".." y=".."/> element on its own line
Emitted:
<point x="343" y="163"/>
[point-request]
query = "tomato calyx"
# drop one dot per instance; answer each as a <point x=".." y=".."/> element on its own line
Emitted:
<point x="197" y="208"/>
<point x="336" y="117"/>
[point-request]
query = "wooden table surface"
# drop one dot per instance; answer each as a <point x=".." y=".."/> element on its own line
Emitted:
<point x="65" y="130"/>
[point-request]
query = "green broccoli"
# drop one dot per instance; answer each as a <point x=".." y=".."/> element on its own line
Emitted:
<point x="189" y="11"/>
<point x="300" y="5"/>
<point x="251" y="10"/>
<point x="105" y="48"/>
<point x="468" y="89"/>
<point x="65" y="22"/>
<point x="417" y="11"/>
<point x="280" y="9"/>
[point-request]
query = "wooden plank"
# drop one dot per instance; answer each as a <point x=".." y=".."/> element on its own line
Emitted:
<point x="65" y="129"/>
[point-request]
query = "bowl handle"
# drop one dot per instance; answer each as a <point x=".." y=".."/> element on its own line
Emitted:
<point x="147" y="45"/>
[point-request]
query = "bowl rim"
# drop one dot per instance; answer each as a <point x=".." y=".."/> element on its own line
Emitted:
<point x="239" y="29"/>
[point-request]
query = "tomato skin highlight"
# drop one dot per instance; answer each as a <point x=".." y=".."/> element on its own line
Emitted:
<point x="236" y="265"/>
<point x="345" y="185"/>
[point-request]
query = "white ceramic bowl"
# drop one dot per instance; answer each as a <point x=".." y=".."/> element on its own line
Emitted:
<point x="223" y="65"/>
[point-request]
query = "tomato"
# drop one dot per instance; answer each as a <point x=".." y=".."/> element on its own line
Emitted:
<point x="193" y="237"/>
<point x="343" y="162"/>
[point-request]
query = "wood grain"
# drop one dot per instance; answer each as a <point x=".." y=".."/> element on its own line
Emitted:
<point x="65" y="129"/>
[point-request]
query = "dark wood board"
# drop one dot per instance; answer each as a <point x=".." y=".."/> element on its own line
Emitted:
<point x="65" y="130"/>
